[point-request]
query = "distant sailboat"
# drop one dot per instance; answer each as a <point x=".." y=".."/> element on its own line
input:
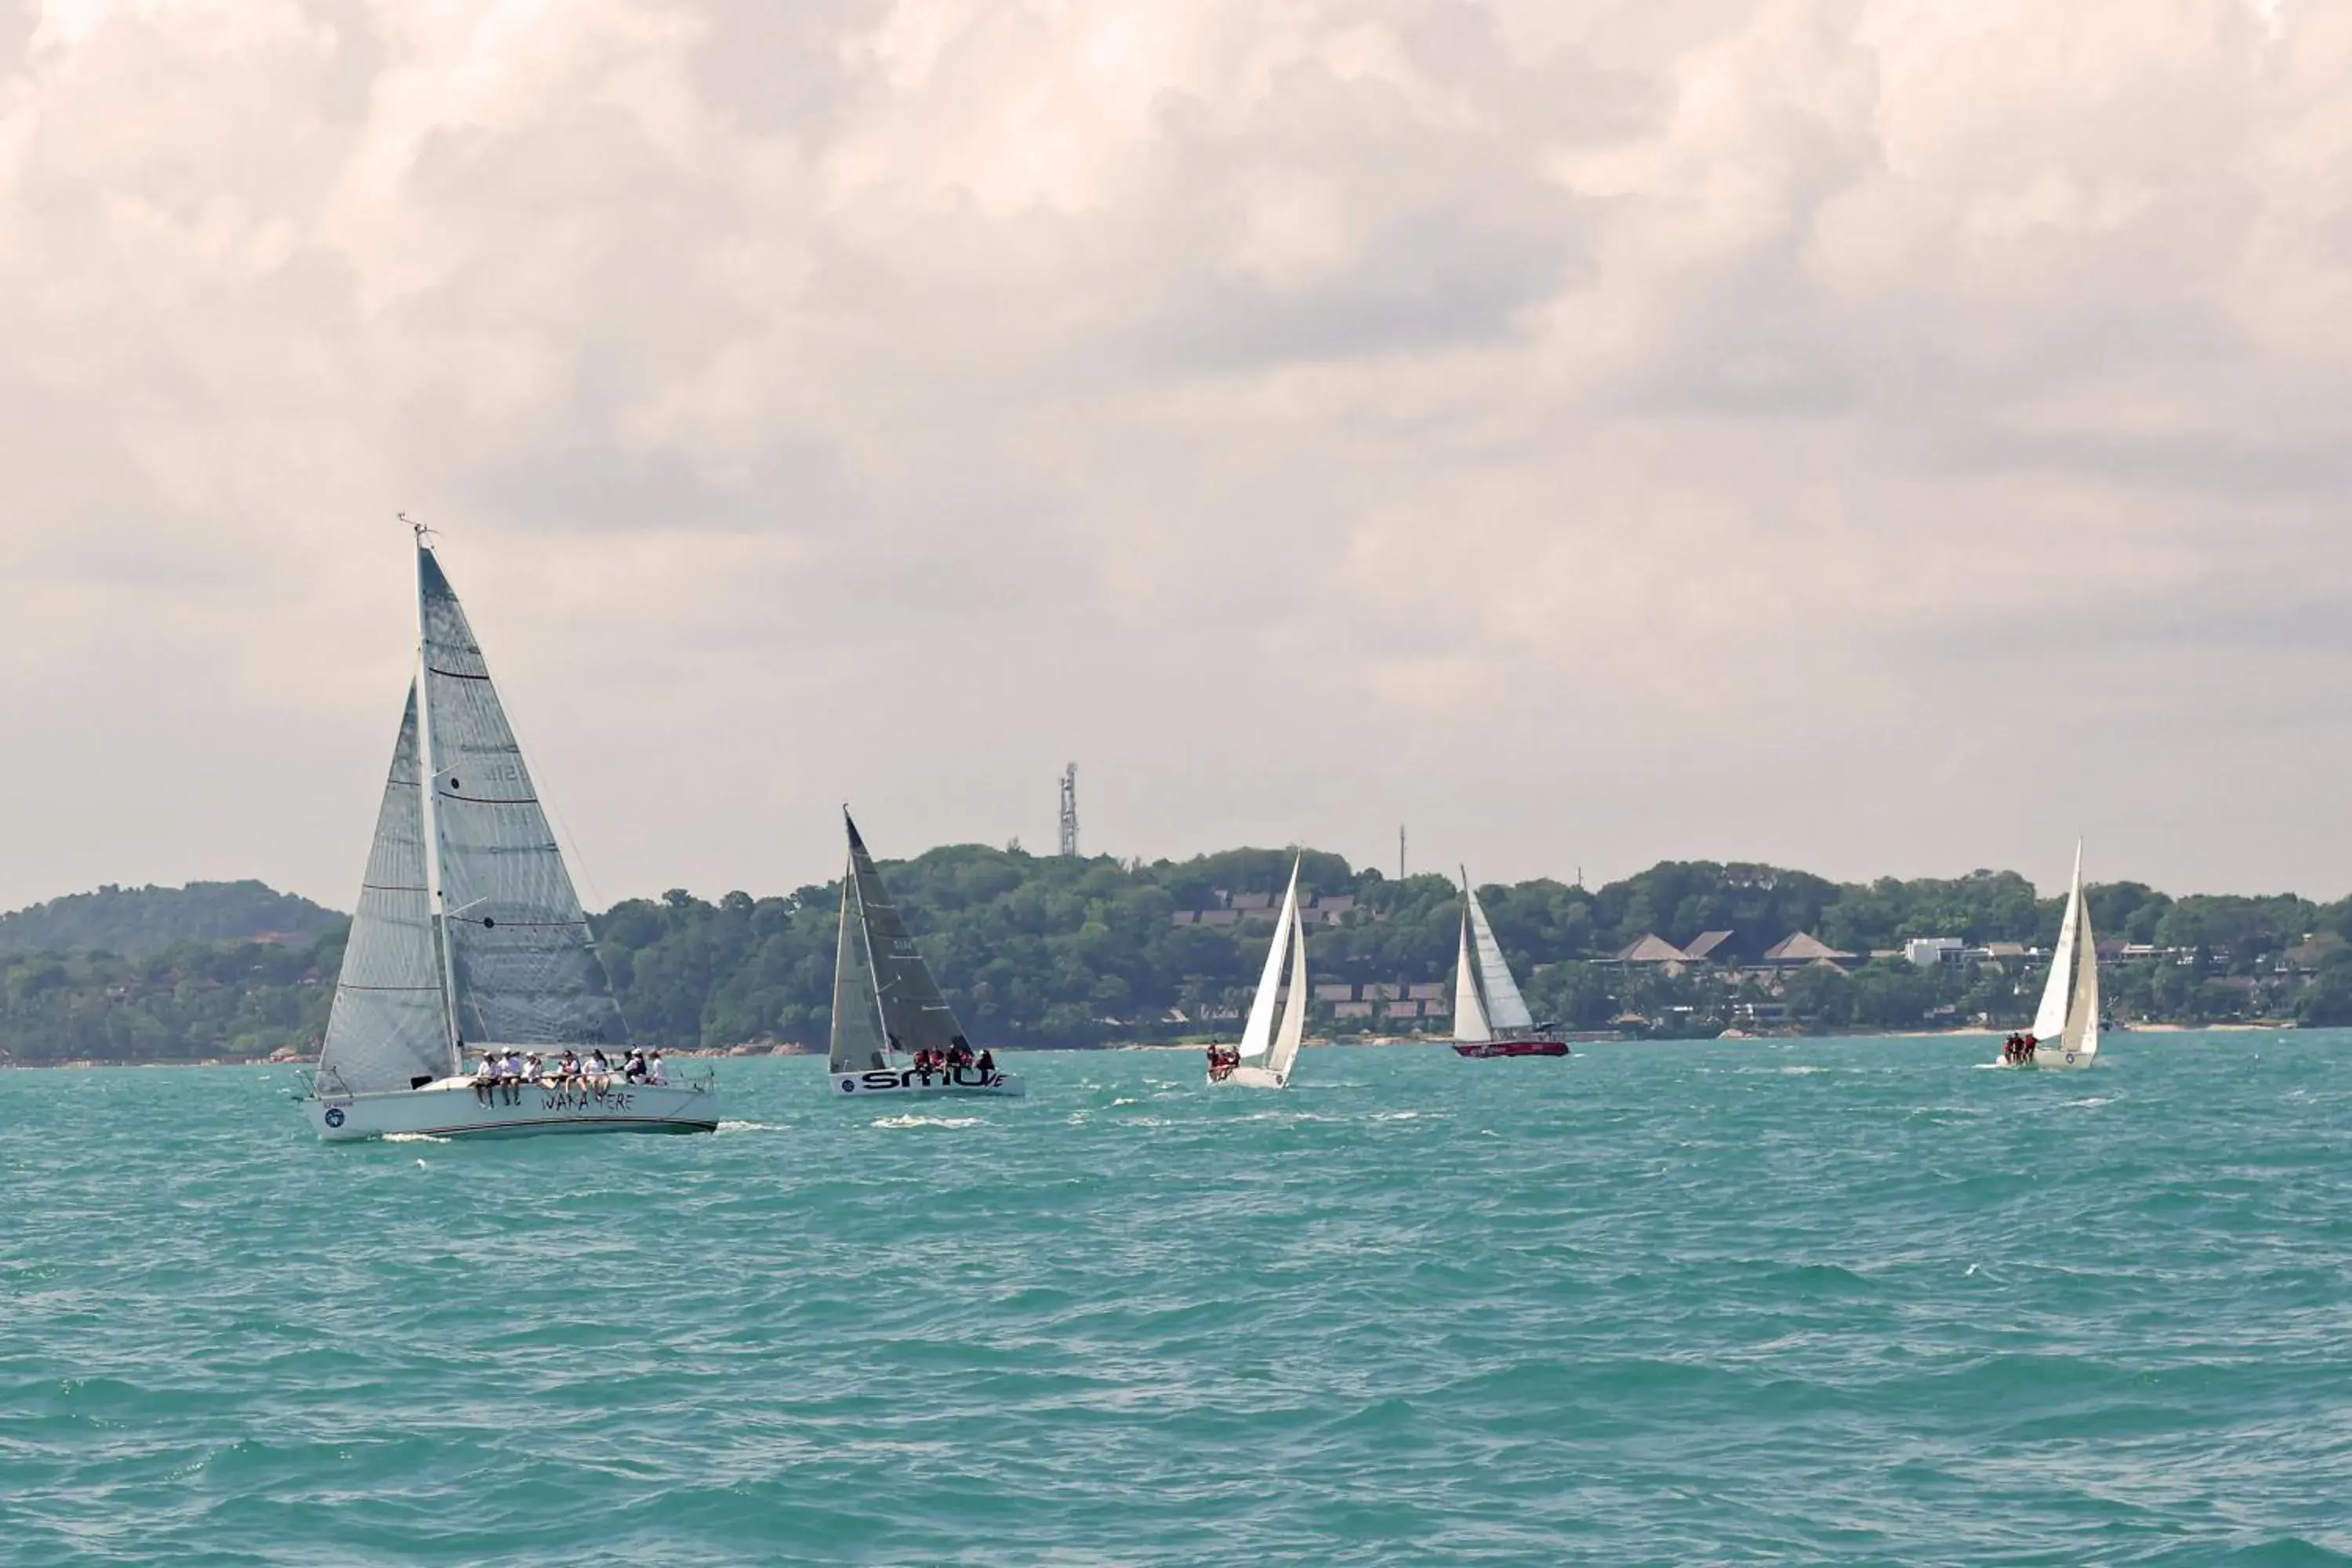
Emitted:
<point x="2066" y="1025"/>
<point x="886" y="1003"/>
<point x="1269" y="1046"/>
<point x="468" y="935"/>
<point x="1490" y="1017"/>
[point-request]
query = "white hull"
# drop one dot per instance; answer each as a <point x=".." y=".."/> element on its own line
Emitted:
<point x="447" y="1110"/>
<point x="1250" y="1078"/>
<point x="2049" y="1061"/>
<point x="907" y="1080"/>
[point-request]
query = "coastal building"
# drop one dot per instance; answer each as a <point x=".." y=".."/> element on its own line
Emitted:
<point x="1801" y="948"/>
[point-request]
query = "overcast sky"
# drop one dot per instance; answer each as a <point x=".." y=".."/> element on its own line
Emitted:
<point x="1887" y="437"/>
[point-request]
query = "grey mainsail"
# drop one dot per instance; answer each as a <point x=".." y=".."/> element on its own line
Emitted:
<point x="915" y="1014"/>
<point x="390" y="1025"/>
<point x="857" y="1012"/>
<point x="523" y="966"/>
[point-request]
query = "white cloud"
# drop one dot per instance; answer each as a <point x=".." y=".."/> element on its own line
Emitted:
<point x="1875" y="436"/>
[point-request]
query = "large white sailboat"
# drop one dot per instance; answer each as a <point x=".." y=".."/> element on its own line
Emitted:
<point x="468" y="937"/>
<point x="1269" y="1046"/>
<point x="893" y="1030"/>
<point x="2066" y="1025"/>
<point x="1490" y="1016"/>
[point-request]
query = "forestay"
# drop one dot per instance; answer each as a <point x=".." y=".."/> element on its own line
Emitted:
<point x="1505" y="1008"/>
<point x="390" y="1025"/>
<point x="915" y="1013"/>
<point x="522" y="964"/>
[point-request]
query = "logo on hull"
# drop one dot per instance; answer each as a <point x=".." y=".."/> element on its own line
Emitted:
<point x="334" y="1116"/>
<point x="884" y="1079"/>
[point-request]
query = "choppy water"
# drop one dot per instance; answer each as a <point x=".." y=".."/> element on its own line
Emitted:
<point x="1836" y="1301"/>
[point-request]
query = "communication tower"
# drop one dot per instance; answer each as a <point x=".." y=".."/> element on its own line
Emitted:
<point x="1070" y="809"/>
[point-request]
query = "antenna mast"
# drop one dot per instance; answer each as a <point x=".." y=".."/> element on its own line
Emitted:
<point x="1400" y="851"/>
<point x="1070" y="809"/>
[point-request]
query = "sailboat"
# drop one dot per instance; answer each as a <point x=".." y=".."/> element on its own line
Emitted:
<point x="2066" y="1025"/>
<point x="1490" y="1017"/>
<point x="885" y="1006"/>
<point x="468" y="936"/>
<point x="1269" y="1046"/>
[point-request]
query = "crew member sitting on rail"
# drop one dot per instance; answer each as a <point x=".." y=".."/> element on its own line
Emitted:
<point x="486" y="1077"/>
<point x="2025" y="1048"/>
<point x="600" y="1072"/>
<point x="534" y="1069"/>
<point x="634" y="1069"/>
<point x="987" y="1064"/>
<point x="656" y="1074"/>
<point x="510" y="1076"/>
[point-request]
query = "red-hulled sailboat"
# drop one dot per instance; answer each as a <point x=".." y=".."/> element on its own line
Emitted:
<point x="1490" y="1017"/>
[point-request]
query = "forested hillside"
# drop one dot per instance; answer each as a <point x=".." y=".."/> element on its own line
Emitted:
<point x="151" y="919"/>
<point x="1041" y="951"/>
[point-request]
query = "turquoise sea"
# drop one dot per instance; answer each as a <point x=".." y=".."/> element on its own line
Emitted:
<point x="1819" y="1300"/>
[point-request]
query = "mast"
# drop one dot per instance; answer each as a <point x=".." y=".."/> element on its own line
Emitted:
<point x="431" y="818"/>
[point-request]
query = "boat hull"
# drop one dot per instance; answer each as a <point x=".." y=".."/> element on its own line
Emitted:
<point x="1250" y="1078"/>
<point x="447" y="1110"/>
<point x="2055" y="1061"/>
<point x="907" y="1080"/>
<point x="1488" y="1048"/>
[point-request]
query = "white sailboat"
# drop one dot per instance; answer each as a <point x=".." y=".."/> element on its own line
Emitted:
<point x="2066" y="1025"/>
<point x="1490" y="1016"/>
<point x="468" y="937"/>
<point x="886" y="1007"/>
<point x="1269" y="1046"/>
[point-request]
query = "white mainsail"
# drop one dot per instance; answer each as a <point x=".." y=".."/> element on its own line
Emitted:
<point x="2081" y="1039"/>
<point x="390" y="1026"/>
<point x="2058" y="992"/>
<point x="915" y="1013"/>
<point x="521" y="962"/>
<point x="1292" y="1030"/>
<point x="1470" y="1026"/>
<point x="1496" y="1005"/>
<point x="1257" y="1031"/>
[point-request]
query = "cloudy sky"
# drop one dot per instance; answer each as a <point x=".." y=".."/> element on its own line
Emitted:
<point x="1877" y="436"/>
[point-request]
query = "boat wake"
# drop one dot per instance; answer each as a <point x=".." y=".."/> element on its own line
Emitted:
<point x="900" y="1121"/>
<point x="414" y="1138"/>
<point x="749" y="1127"/>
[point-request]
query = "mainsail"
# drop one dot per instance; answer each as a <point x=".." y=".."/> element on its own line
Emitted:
<point x="858" y="1040"/>
<point x="1293" y="1031"/>
<point x="915" y="1014"/>
<point x="2058" y="992"/>
<point x="1259" y="1030"/>
<point x="523" y="966"/>
<point x="1470" y="1026"/>
<point x="1504" y="1009"/>
<point x="390" y="1025"/>
<point x="2081" y="1038"/>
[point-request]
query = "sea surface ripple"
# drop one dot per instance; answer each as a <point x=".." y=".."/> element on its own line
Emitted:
<point x="1817" y="1300"/>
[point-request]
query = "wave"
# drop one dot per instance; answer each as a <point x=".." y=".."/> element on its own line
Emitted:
<point x="896" y="1122"/>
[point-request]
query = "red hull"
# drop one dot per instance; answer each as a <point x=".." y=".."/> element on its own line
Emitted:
<point x="1513" y="1048"/>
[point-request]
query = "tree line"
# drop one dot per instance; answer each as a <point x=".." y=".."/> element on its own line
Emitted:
<point x="1042" y="951"/>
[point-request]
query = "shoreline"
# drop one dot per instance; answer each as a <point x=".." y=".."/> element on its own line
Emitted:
<point x="2264" y="1027"/>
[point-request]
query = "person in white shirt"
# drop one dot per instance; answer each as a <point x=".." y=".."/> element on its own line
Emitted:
<point x="600" y="1072"/>
<point x="486" y="1077"/>
<point x="533" y="1069"/>
<point x="655" y="1073"/>
<point x="511" y="1077"/>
